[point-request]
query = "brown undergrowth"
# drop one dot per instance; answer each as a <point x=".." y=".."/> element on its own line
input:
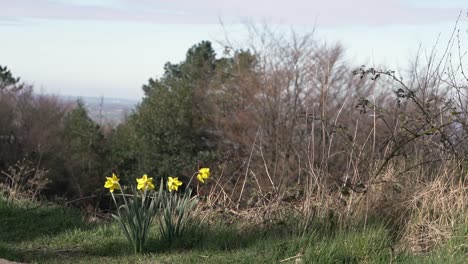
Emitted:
<point x="420" y="214"/>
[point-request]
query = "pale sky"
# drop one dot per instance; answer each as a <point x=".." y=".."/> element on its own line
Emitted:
<point x="111" y="48"/>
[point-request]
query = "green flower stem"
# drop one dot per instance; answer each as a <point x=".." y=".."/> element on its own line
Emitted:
<point x="123" y="195"/>
<point x="190" y="181"/>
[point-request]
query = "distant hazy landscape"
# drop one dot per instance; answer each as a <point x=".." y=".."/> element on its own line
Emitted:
<point x="105" y="109"/>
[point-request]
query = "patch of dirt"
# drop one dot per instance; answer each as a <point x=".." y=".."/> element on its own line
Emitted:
<point x="4" y="261"/>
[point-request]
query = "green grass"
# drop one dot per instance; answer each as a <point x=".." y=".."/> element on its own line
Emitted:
<point x="57" y="235"/>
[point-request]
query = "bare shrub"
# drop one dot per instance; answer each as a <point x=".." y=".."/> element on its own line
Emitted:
<point x="23" y="180"/>
<point x="293" y="97"/>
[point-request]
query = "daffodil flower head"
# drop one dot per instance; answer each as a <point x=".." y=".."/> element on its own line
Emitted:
<point x="173" y="184"/>
<point x="203" y="174"/>
<point x="145" y="183"/>
<point x="112" y="183"/>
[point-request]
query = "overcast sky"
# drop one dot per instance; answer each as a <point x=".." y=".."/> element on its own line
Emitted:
<point x="111" y="47"/>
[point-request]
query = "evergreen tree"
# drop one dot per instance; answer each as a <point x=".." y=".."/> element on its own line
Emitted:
<point x="168" y="121"/>
<point x="7" y="81"/>
<point x="83" y="154"/>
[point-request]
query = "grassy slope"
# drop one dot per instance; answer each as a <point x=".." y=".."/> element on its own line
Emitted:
<point x="57" y="235"/>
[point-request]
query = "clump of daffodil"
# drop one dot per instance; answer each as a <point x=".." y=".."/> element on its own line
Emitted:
<point x="176" y="210"/>
<point x="173" y="184"/>
<point x="137" y="211"/>
<point x="145" y="183"/>
<point x="203" y="174"/>
<point x="112" y="183"/>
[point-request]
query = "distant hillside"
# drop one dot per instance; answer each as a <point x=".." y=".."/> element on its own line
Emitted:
<point x="104" y="109"/>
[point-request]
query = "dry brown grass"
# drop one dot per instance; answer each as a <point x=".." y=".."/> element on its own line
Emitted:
<point x="437" y="209"/>
<point x="421" y="214"/>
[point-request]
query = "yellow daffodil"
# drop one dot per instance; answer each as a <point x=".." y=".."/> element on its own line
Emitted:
<point x="112" y="183"/>
<point x="173" y="184"/>
<point x="203" y="174"/>
<point x="145" y="183"/>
